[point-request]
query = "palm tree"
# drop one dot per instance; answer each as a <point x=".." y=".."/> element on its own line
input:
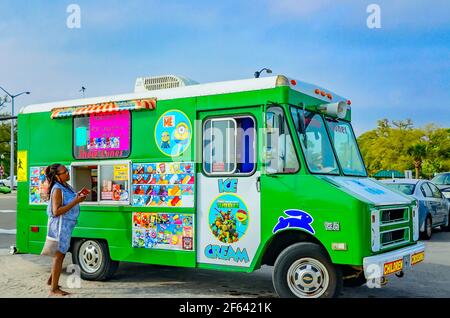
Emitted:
<point x="418" y="152"/>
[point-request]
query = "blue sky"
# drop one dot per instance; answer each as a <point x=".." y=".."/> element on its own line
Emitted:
<point x="399" y="71"/>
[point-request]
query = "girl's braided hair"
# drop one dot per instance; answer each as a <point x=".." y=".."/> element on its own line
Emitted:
<point x="50" y="173"/>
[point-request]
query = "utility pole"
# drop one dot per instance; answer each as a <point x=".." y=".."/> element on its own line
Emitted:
<point x="11" y="168"/>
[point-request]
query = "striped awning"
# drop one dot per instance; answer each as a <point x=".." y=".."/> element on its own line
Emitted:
<point x="137" y="104"/>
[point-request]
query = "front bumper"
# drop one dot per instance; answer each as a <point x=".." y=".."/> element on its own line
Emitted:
<point x="393" y="262"/>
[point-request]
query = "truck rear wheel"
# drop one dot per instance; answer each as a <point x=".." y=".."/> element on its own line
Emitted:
<point x="93" y="258"/>
<point x="304" y="270"/>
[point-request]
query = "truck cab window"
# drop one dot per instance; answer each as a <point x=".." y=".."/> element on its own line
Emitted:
<point x="346" y="147"/>
<point x="316" y="145"/>
<point x="279" y="152"/>
<point x="229" y="146"/>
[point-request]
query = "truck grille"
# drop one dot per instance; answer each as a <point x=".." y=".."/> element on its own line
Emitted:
<point x="394" y="237"/>
<point x="390" y="216"/>
<point x="391" y="227"/>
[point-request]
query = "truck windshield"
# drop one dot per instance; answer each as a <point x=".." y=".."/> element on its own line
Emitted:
<point x="316" y="145"/>
<point x="346" y="148"/>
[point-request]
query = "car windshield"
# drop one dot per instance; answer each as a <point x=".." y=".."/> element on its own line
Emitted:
<point x="403" y="187"/>
<point x="346" y="148"/>
<point x="316" y="145"/>
<point x="441" y="179"/>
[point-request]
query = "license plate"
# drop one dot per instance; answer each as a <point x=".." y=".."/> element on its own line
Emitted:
<point x="393" y="267"/>
<point x="417" y="258"/>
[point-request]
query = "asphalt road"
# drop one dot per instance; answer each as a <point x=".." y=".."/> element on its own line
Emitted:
<point x="7" y="213"/>
<point x="24" y="276"/>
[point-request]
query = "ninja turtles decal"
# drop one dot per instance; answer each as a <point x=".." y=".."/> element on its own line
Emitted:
<point x="228" y="218"/>
<point x="173" y="133"/>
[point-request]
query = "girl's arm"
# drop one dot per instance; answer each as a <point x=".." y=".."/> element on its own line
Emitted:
<point x="57" y="203"/>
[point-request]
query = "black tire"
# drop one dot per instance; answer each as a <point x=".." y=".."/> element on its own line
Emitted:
<point x="92" y="256"/>
<point x="294" y="260"/>
<point x="428" y="232"/>
<point x="446" y="228"/>
<point x="355" y="281"/>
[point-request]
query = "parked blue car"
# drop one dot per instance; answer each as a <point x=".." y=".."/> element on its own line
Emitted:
<point x="446" y="193"/>
<point x="434" y="208"/>
<point x="442" y="180"/>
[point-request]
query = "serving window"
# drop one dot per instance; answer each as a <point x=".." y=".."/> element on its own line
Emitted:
<point x="114" y="183"/>
<point x="109" y="182"/>
<point x="102" y="136"/>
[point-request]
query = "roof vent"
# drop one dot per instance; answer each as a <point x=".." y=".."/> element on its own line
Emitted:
<point x="152" y="83"/>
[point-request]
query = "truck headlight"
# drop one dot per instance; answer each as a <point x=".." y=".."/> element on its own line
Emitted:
<point x="375" y="230"/>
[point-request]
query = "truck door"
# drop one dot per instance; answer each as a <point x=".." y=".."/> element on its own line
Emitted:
<point x="280" y="183"/>
<point x="228" y="197"/>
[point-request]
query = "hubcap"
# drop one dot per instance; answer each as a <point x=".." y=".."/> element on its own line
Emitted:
<point x="90" y="256"/>
<point x="308" y="277"/>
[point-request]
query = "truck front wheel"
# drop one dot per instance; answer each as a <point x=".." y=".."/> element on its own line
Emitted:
<point x="93" y="258"/>
<point x="304" y="270"/>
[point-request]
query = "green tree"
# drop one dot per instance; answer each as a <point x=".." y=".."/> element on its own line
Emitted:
<point x="438" y="150"/>
<point x="386" y="148"/>
<point x="5" y="146"/>
<point x="403" y="124"/>
<point x="418" y="153"/>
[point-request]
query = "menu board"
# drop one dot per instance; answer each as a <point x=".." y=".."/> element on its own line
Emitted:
<point x="168" y="231"/>
<point x="109" y="131"/>
<point x="102" y="135"/>
<point x="120" y="173"/>
<point x="165" y="184"/>
<point x="38" y="186"/>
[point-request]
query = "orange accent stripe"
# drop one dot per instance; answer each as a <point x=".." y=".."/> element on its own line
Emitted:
<point x="109" y="107"/>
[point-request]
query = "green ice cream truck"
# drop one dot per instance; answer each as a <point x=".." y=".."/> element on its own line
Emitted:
<point x="225" y="176"/>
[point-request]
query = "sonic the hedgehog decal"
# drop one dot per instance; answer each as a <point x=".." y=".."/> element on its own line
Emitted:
<point x="297" y="219"/>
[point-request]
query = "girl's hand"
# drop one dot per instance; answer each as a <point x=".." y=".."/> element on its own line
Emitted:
<point x="80" y="198"/>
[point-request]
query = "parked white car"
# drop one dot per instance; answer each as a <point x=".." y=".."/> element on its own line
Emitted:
<point x="7" y="182"/>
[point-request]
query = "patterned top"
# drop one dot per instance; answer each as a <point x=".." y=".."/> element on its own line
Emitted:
<point x="68" y="195"/>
